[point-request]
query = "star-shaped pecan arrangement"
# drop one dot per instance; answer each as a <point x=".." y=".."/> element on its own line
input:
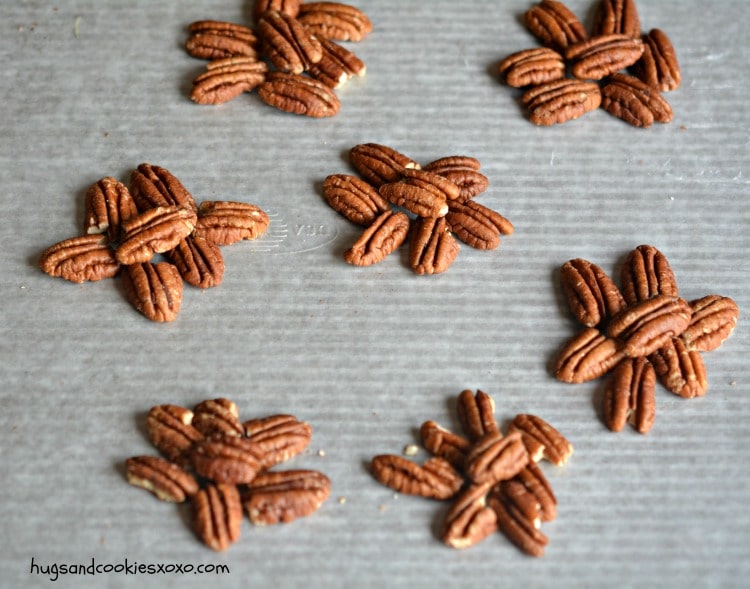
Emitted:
<point x="640" y="332"/>
<point x="126" y="229"/>
<point x="494" y="479"/>
<point x="222" y="466"/>
<point x="575" y="72"/>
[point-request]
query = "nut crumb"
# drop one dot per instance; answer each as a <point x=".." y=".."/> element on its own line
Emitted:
<point x="342" y="500"/>
<point x="321" y="453"/>
<point x="411" y="450"/>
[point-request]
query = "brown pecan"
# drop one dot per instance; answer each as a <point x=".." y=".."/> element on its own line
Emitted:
<point x="432" y="248"/>
<point x="629" y="396"/>
<point x="299" y="95"/>
<point x="554" y="24"/>
<point x="161" y="477"/>
<point x="288" y="7"/>
<point x="602" y="56"/>
<point x="217" y="417"/>
<point x="80" y="259"/>
<point x="198" y="261"/>
<point x="617" y="16"/>
<point x="154" y="231"/>
<point x="154" y="186"/>
<point x="658" y="66"/>
<point x="154" y="290"/>
<point x="225" y="79"/>
<point x="469" y="520"/>
<point x="435" y="479"/>
<point x="534" y="497"/>
<point x="514" y="493"/>
<point x="217" y="515"/>
<point x="476" y="412"/>
<point x="287" y="44"/>
<point x="420" y="197"/>
<point x="592" y="295"/>
<point x="714" y="317"/>
<point x="379" y="164"/>
<point x="645" y="327"/>
<point x="337" y="65"/>
<point x="463" y="171"/>
<point x="587" y="356"/>
<point x="211" y="39"/>
<point x="381" y="238"/>
<point x="170" y="430"/>
<point x="531" y="67"/>
<point x="495" y="458"/>
<point x="279" y="437"/>
<point x="635" y="102"/>
<point x="445" y="444"/>
<point x="357" y="200"/>
<point x="227" y="459"/>
<point x="541" y="439"/>
<point x="560" y="101"/>
<point x="645" y="274"/>
<point x="108" y="203"/>
<point x="225" y="222"/>
<point x="514" y="524"/>
<point x="281" y="497"/>
<point x="680" y="370"/>
<point x="334" y="20"/>
<point x="477" y="225"/>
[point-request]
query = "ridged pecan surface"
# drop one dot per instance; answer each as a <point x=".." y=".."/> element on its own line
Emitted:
<point x="602" y="56"/>
<point x="217" y="417"/>
<point x="432" y="247"/>
<point x="225" y="222"/>
<point x="680" y="370"/>
<point x="713" y="319"/>
<point x="444" y="444"/>
<point x="287" y="43"/>
<point x="288" y="7"/>
<point x="435" y="479"/>
<point x="464" y="172"/>
<point x="646" y="273"/>
<point x="282" y="497"/>
<point x="336" y="65"/>
<point x="154" y="290"/>
<point x="334" y="20"/>
<point x="587" y="356"/>
<point x="154" y="186"/>
<point x="560" y="101"/>
<point x="617" y="16"/>
<point x="380" y="164"/>
<point x="278" y="437"/>
<point x="165" y="479"/>
<point x="227" y="459"/>
<point x="298" y="94"/>
<point x="199" y="262"/>
<point x="469" y="520"/>
<point x="217" y="515"/>
<point x="476" y="413"/>
<point x="477" y="225"/>
<point x="496" y="458"/>
<point x="629" y="396"/>
<point x="211" y="39"/>
<point x="87" y="258"/>
<point x="592" y="295"/>
<point x="380" y="239"/>
<point x="170" y="430"/>
<point x="658" y="66"/>
<point x="154" y="231"/>
<point x="225" y="79"/>
<point x="541" y="439"/>
<point x="537" y="488"/>
<point x="108" y="203"/>
<point x="420" y="192"/>
<point x="531" y="67"/>
<point x="634" y="101"/>
<point x="356" y="199"/>
<point x="515" y="525"/>
<point x="554" y="24"/>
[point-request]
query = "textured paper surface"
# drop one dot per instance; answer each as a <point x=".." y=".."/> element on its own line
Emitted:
<point x="90" y="89"/>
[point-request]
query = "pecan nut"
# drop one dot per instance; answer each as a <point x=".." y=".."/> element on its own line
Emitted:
<point x="165" y="479"/>
<point x="281" y="497"/>
<point x="561" y="101"/>
<point x="680" y="370"/>
<point x="588" y="355"/>
<point x="287" y="44"/>
<point x="154" y="290"/>
<point x="198" y="261"/>
<point x="80" y="259"/>
<point x="476" y="225"/>
<point x="658" y="66"/>
<point x="617" y="16"/>
<point x="444" y="444"/>
<point x="476" y="413"/>
<point x="354" y="198"/>
<point x="421" y="198"/>
<point x="217" y="515"/>
<point x="337" y="65"/>
<point x="224" y="222"/>
<point x="514" y="493"/>
<point x="469" y="520"/>
<point x="531" y="67"/>
<point x="463" y="171"/>
<point x="288" y="7"/>
<point x="217" y="417"/>
<point x="602" y="56"/>
<point x="592" y="295"/>
<point x="380" y="164"/>
<point x="554" y="24"/>
<point x="541" y="439"/>
<point x="496" y="458"/>
<point x="380" y="239"/>
<point x="539" y="501"/>
<point x="435" y="479"/>
<point x="154" y="231"/>
<point x="629" y="396"/>
<point x="155" y="186"/>
<point x="515" y="526"/>
<point x="646" y="273"/>
<point x="334" y="20"/>
<point x="225" y="79"/>
<point x="432" y="248"/>
<point x="635" y="102"/>
<point x="170" y="430"/>
<point x="211" y="39"/>
<point x="299" y="95"/>
<point x="107" y="204"/>
<point x="279" y="437"/>
<point x="226" y="460"/>
<point x="714" y="317"/>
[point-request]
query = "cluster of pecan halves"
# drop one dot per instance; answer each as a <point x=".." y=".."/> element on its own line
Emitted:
<point x="396" y="198"/>
<point x="493" y="478"/>
<point x="220" y="465"/>
<point x="596" y="64"/>
<point x="641" y="332"/>
<point x="298" y="40"/>
<point x="125" y="229"/>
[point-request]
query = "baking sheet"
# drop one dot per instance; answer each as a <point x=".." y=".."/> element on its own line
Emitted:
<point x="364" y="355"/>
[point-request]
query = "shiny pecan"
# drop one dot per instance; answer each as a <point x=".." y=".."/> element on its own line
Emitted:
<point x="435" y="479"/>
<point x="541" y="439"/>
<point x="469" y="520"/>
<point x="432" y="247"/>
<point x="658" y="66"/>
<point x="602" y="56"/>
<point x="680" y="370"/>
<point x="516" y="526"/>
<point x="108" y="203"/>
<point x="496" y="458"/>
<point x="554" y="24"/>
<point x="444" y="444"/>
<point x="645" y="274"/>
<point x="635" y="102"/>
<point x="154" y="290"/>
<point x="217" y="417"/>
<point x="288" y="7"/>
<point x="279" y="437"/>
<point x="561" y="101"/>
<point x="356" y="199"/>
<point x="225" y="222"/>
<point x="217" y="515"/>
<point x="514" y="493"/>
<point x="477" y="225"/>
<point x="170" y="430"/>
<point x="617" y="16"/>
<point x="463" y="171"/>
<point x="155" y="186"/>
<point x="538" y="491"/>
<point x="299" y="95"/>
<point x="531" y="67"/>
<point x="380" y="164"/>
<point x="334" y="20"/>
<point x="161" y="477"/>
<point x="225" y="79"/>
<point x="287" y="44"/>
<point x="198" y="261"/>
<point x="476" y="413"/>
<point x="211" y="39"/>
<point x="227" y="459"/>
<point x="80" y="259"/>
<point x="588" y="355"/>
<point x="380" y="239"/>
<point x="154" y="231"/>
<point x="423" y="195"/>
<point x="714" y="317"/>
<point x="337" y="65"/>
<point x="629" y="396"/>
<point x="281" y="497"/>
<point x="592" y="295"/>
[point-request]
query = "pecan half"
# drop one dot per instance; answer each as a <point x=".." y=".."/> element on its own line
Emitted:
<point x="588" y="355"/>
<point x="629" y="396"/>
<point x="154" y="290"/>
<point x="356" y="199"/>
<point x="714" y="317"/>
<point x="531" y="67"/>
<point x="646" y="273"/>
<point x="211" y="39"/>
<point x="476" y="412"/>
<point x="539" y="492"/>
<point x="161" y="477"/>
<point x="380" y="164"/>
<point x="423" y="193"/>
<point x="108" y="203"/>
<point x="288" y="7"/>
<point x="380" y="239"/>
<point x="225" y="79"/>
<point x="514" y="524"/>
<point x="469" y="520"/>
<point x="602" y="56"/>
<point x="514" y="493"/>
<point x="435" y="479"/>
<point x="299" y="95"/>
<point x="463" y="171"/>
<point x="635" y="102"/>
<point x="592" y="295"/>
<point x="334" y="20"/>
<point x="170" y="430"/>
<point x="432" y="248"/>
<point x="680" y="370"/>
<point x="554" y="24"/>
<point x="225" y="222"/>
<point x="541" y="439"/>
<point x="217" y="515"/>
<point x="198" y="261"/>
<point x="444" y="444"/>
<point x="476" y="225"/>
<point x="337" y="65"/>
<point x="155" y="186"/>
<point x="217" y="417"/>
<point x="617" y="16"/>
<point x="561" y="101"/>
<point x="658" y="66"/>
<point x="279" y="437"/>
<point x="80" y="259"/>
<point x="281" y="497"/>
<point x="495" y="458"/>
<point x="228" y="459"/>
<point x="154" y="231"/>
<point x="287" y="44"/>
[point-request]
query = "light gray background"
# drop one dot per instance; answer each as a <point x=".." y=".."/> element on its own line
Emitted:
<point x="90" y="89"/>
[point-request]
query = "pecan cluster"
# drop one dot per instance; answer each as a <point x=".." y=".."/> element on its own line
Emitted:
<point x="126" y="229"/>
<point x="222" y="466"/>
<point x="494" y="479"/>
<point x="642" y="332"/>
<point x="395" y="198"/>
<point x="292" y="56"/>
<point x="575" y="72"/>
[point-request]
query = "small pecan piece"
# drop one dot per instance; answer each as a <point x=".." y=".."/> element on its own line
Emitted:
<point x="225" y="79"/>
<point x="629" y="396"/>
<point x="380" y="239"/>
<point x="80" y="259"/>
<point x="714" y="317"/>
<point x="476" y="413"/>
<point x="476" y="225"/>
<point x="514" y="524"/>
<point x="337" y="65"/>
<point x="463" y="171"/>
<point x="225" y="222"/>
<point x="380" y="164"/>
<point x="635" y="102"/>
<point x="211" y="39"/>
<point x="334" y="20"/>
<point x="541" y="439"/>
<point x="469" y="520"/>
<point x="279" y="437"/>
<point x="217" y="417"/>
<point x="432" y="248"/>
<point x="592" y="295"/>
<point x="154" y="290"/>
<point x="108" y="203"/>
<point x="587" y="356"/>
<point x="217" y="516"/>
<point x="198" y="261"/>
<point x="288" y="7"/>
<point x="287" y="44"/>
<point x="531" y="67"/>
<point x="617" y="16"/>
<point x="155" y="186"/>
<point x="170" y="430"/>
<point x="658" y="66"/>
<point x="680" y="370"/>
<point x="299" y="95"/>
<point x="645" y="274"/>
<point x="435" y="479"/>
<point x="602" y="56"/>
<point x="495" y="458"/>
<point x="161" y="477"/>
<point x="554" y="24"/>
<point x="281" y="497"/>
<point x="538" y="491"/>
<point x="154" y="231"/>
<point x="227" y="459"/>
<point x="560" y="101"/>
<point x="444" y="444"/>
<point x="357" y="200"/>
<point x="418" y="195"/>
